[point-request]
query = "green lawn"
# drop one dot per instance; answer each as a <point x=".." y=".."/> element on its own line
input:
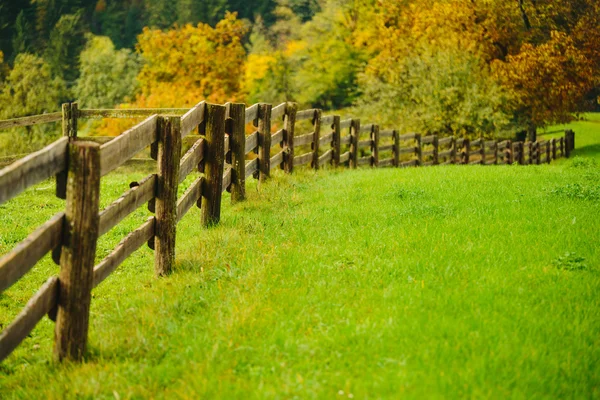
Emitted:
<point x="443" y="282"/>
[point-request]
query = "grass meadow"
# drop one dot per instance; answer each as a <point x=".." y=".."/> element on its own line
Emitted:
<point x="443" y="282"/>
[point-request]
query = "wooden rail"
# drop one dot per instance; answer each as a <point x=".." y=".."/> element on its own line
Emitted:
<point x="219" y="157"/>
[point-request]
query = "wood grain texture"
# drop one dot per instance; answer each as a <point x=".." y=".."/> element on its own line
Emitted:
<point x="33" y="169"/>
<point x="39" y="305"/>
<point x="277" y="158"/>
<point x="317" y="134"/>
<point x="408" y="150"/>
<point x="344" y="157"/>
<point x="326" y="139"/>
<point x="26" y="254"/>
<point x="128" y="144"/>
<point x="251" y="114"/>
<point x="276" y="138"/>
<point x="278" y="111"/>
<point x="303" y="140"/>
<point x="251" y="167"/>
<point x="191" y="160"/>
<point x="130" y="201"/>
<point x="251" y="143"/>
<point x="354" y="147"/>
<point x="386" y="147"/>
<point x="78" y="251"/>
<point x="124" y="249"/>
<point x="193" y="119"/>
<point x="235" y="112"/>
<point x="32" y="120"/>
<point x="305" y="114"/>
<point x="169" y="154"/>
<point x="326" y="157"/>
<point x="289" y="127"/>
<point x="375" y="146"/>
<point x="336" y="144"/>
<point x="214" y="163"/>
<point x="98" y="113"/>
<point x="264" y="142"/>
<point x="408" y="136"/>
<point x="345" y="139"/>
<point x="303" y="159"/>
<point x="386" y="133"/>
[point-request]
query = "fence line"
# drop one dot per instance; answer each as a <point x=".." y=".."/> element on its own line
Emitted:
<point x="220" y="154"/>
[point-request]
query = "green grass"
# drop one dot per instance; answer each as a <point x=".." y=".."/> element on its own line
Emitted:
<point x="445" y="282"/>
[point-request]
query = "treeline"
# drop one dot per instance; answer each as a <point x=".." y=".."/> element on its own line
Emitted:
<point x="449" y="67"/>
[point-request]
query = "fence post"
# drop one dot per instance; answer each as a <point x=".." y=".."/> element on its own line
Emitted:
<point x="316" y="135"/>
<point x="335" y="143"/>
<point x="165" y="205"/>
<point x="419" y="148"/>
<point x="214" y="161"/>
<point x="553" y="144"/>
<point x="70" y="114"/>
<point x="235" y="114"/>
<point x="495" y="152"/>
<point x="482" y="150"/>
<point x="264" y="141"/>
<point x="561" y="144"/>
<point x="508" y="153"/>
<point x="289" y="122"/>
<point x="80" y="234"/>
<point x="538" y="153"/>
<point x="569" y="141"/>
<point x="355" y="137"/>
<point x="453" y="150"/>
<point x="396" y="148"/>
<point x="375" y="145"/>
<point x="466" y="151"/>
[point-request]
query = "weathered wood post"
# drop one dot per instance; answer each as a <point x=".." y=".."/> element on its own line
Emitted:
<point x="70" y="113"/>
<point x="169" y="154"/>
<point x="355" y="138"/>
<point x="396" y="148"/>
<point x="562" y="146"/>
<point x="375" y="145"/>
<point x="419" y="149"/>
<point x="482" y="151"/>
<point x="235" y="115"/>
<point x="214" y="161"/>
<point x="436" y="150"/>
<point x="548" y="152"/>
<point x="80" y="234"/>
<point x="553" y="148"/>
<point x="264" y="141"/>
<point x="569" y="142"/>
<point x="336" y="144"/>
<point x="508" y="153"/>
<point x="495" y="152"/>
<point x="521" y="152"/>
<point x="453" y="150"/>
<point x="289" y="123"/>
<point x="316" y="121"/>
<point x="466" y="151"/>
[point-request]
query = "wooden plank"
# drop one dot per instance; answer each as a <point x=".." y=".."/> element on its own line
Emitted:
<point x="78" y="251"/>
<point x="366" y="128"/>
<point x="345" y="124"/>
<point x="124" y="249"/>
<point x="386" y="147"/>
<point x="130" y="201"/>
<point x="365" y="143"/>
<point x="277" y="158"/>
<point x="387" y="133"/>
<point x="365" y="160"/>
<point x="40" y="304"/>
<point x="428" y="139"/>
<point x="446" y="153"/>
<point x="408" y="150"/>
<point x="327" y="120"/>
<point x="306" y="114"/>
<point x="326" y="157"/>
<point x="303" y="159"/>
<point x="251" y="113"/>
<point x="114" y="153"/>
<point x="26" y="254"/>
<point x="251" y="167"/>
<point x="278" y="111"/>
<point x="226" y="144"/>
<point x="408" y="136"/>
<point x="251" y="142"/>
<point x="276" y="138"/>
<point x="427" y="153"/>
<point x="191" y="159"/>
<point x="193" y="118"/>
<point x="92" y="113"/>
<point x="327" y="139"/>
<point x="95" y="139"/>
<point x="344" y="157"/>
<point x="388" y="162"/>
<point x="490" y="144"/>
<point x="411" y="163"/>
<point x="476" y="142"/>
<point x="345" y="140"/>
<point x="191" y="196"/>
<point x="32" y="120"/>
<point x="445" y="141"/>
<point x="214" y="162"/>
<point x="226" y="179"/>
<point x="304" y="139"/>
<point x="33" y="169"/>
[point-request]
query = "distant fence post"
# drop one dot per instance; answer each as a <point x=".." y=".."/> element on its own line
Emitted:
<point x="316" y="121"/>
<point x="235" y="114"/>
<point x="214" y="161"/>
<point x="70" y="113"/>
<point x="465" y="151"/>
<point x="375" y="145"/>
<point x="548" y="152"/>
<point x="264" y="141"/>
<point x="80" y="234"/>
<point x="553" y="145"/>
<point x="355" y="137"/>
<point x="569" y="142"/>
<point x="508" y="153"/>
<point x="396" y="148"/>
<point x="482" y="150"/>
<point x="496" y="152"/>
<point x="169" y="154"/>
<point x="419" y="149"/>
<point x="289" y="123"/>
<point x="561" y="144"/>
<point x="336" y="144"/>
<point x="453" y="150"/>
<point x="538" y="153"/>
<point x="436" y="149"/>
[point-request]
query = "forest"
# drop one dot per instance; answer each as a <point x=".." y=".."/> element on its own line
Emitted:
<point x="452" y="67"/>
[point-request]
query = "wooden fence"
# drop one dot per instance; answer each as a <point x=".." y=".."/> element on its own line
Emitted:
<point x="221" y="152"/>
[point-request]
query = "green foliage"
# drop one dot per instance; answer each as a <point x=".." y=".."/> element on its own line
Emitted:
<point x="570" y="262"/>
<point x="107" y="76"/>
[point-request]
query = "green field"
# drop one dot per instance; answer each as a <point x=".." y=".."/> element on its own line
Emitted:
<point x="444" y="282"/>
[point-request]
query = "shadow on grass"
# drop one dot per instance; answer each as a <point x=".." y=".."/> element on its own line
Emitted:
<point x="592" y="150"/>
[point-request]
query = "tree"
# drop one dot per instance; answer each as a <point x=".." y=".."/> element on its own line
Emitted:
<point x="107" y="76"/>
